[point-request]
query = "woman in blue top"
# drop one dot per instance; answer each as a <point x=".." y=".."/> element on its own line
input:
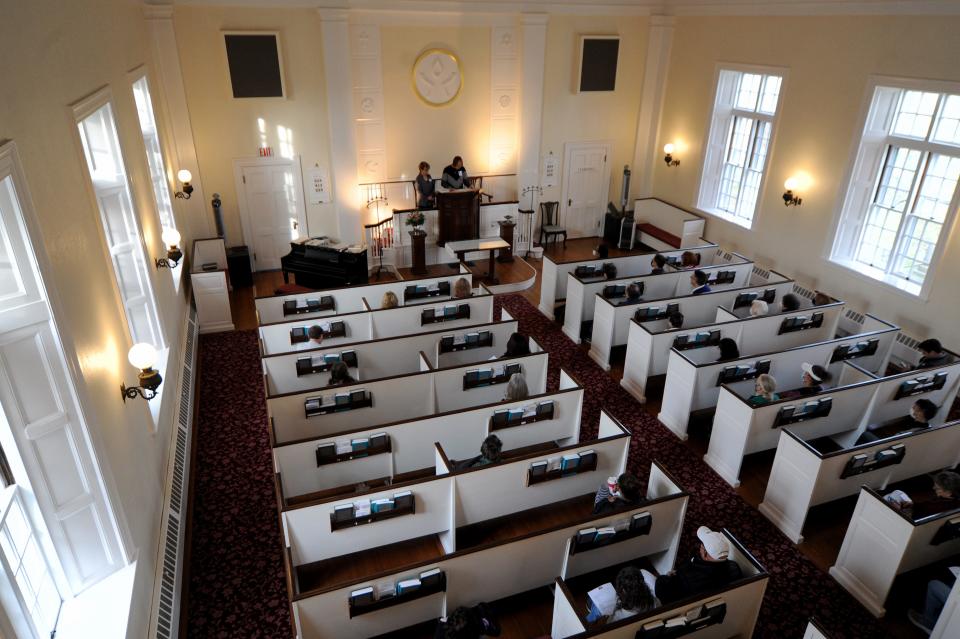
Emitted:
<point x="425" y="187"/>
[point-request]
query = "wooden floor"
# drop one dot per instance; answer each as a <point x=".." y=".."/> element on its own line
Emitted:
<point x="528" y="615"/>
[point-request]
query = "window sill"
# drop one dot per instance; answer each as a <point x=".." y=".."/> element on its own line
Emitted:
<point x="898" y="285"/>
<point x="726" y="217"/>
<point x="101" y="611"/>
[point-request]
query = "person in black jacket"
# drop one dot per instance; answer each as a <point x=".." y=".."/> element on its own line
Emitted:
<point x="468" y="623"/>
<point x="657" y="264"/>
<point x="706" y="570"/>
<point x="922" y="411"/>
<point x="933" y="353"/>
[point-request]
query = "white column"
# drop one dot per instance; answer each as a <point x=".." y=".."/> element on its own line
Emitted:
<point x="335" y="38"/>
<point x="193" y="212"/>
<point x="533" y="56"/>
<point x="647" y="150"/>
<point x="503" y="99"/>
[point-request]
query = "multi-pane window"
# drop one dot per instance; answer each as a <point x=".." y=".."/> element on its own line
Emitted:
<point x="903" y="191"/>
<point x="744" y="114"/>
<point x="151" y="140"/>
<point x="101" y="147"/>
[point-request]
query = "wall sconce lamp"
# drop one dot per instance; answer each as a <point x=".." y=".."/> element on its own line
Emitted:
<point x="668" y="157"/>
<point x="143" y="356"/>
<point x="171" y="238"/>
<point x="184" y="176"/>
<point x="789" y="199"/>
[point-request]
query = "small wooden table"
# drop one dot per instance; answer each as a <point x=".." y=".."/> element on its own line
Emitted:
<point x="506" y="234"/>
<point x="493" y="244"/>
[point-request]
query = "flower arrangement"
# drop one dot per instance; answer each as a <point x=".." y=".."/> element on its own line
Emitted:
<point x="415" y="220"/>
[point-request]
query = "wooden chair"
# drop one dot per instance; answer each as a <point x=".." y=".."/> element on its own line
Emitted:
<point x="550" y="222"/>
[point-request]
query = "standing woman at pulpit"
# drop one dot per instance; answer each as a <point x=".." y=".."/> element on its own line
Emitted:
<point x="455" y="175"/>
<point x="425" y="188"/>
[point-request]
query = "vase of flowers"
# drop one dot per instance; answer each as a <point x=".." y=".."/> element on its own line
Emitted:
<point x="416" y="220"/>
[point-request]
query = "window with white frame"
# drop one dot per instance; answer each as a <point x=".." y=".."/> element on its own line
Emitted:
<point x="744" y="115"/>
<point x="903" y="190"/>
<point x="101" y="147"/>
<point x="151" y="140"/>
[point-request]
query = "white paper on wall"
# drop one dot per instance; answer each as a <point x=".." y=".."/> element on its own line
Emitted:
<point x="551" y="167"/>
<point x="319" y="186"/>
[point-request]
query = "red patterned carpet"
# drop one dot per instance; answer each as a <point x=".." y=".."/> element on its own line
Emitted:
<point x="236" y="586"/>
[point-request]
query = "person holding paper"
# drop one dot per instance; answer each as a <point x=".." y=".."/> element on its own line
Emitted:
<point x="932" y="353"/>
<point x="455" y="175"/>
<point x="314" y="338"/>
<point x="615" y="492"/>
<point x="937" y="594"/>
<point x="708" y="569"/>
<point x="627" y="596"/>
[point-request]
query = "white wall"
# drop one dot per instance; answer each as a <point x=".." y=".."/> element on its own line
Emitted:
<point x="52" y="54"/>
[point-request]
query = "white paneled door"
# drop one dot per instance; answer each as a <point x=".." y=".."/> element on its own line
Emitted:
<point x="586" y="183"/>
<point x="272" y="209"/>
<point x="39" y="403"/>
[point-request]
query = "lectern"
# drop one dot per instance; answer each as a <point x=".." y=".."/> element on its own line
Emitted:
<point x="458" y="215"/>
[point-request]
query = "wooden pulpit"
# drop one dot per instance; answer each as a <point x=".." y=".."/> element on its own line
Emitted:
<point x="458" y="215"/>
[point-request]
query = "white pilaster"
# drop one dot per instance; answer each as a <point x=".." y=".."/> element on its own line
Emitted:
<point x="193" y="212"/>
<point x="647" y="150"/>
<point x="533" y="58"/>
<point x="367" y="77"/>
<point x="503" y="99"/>
<point x="335" y="38"/>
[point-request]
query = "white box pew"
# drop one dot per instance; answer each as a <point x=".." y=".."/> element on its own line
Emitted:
<point x="686" y="227"/>
<point x="612" y="324"/>
<point x="859" y="400"/>
<point x="583" y="293"/>
<point x="395" y="398"/>
<point x="553" y="283"/>
<point x="649" y="344"/>
<point x="484" y="495"/>
<point x="814" y="630"/>
<point x="741" y="600"/>
<point x="803" y="477"/>
<point x="346" y="299"/>
<point x="451" y="394"/>
<point x="949" y="619"/>
<point x="407" y="320"/>
<point x="489" y="573"/>
<point x="276" y="338"/>
<point x="497" y="347"/>
<point x="412" y="443"/>
<point x="881" y="543"/>
<point x="693" y="377"/>
<point x="385" y="357"/>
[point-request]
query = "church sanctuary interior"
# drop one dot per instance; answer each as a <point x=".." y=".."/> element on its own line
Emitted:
<point x="450" y="319"/>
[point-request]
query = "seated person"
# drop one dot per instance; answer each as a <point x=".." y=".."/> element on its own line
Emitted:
<point x="468" y="623"/>
<point x="462" y="289"/>
<point x="389" y="300"/>
<point x="425" y="188"/>
<point x="517" y="345"/>
<point x="946" y="491"/>
<point x="820" y="299"/>
<point x="516" y="388"/>
<point x="759" y="308"/>
<point x="932" y="353"/>
<point x="489" y="454"/>
<point x="675" y="321"/>
<point x="728" y="350"/>
<point x="707" y="570"/>
<point x="936" y="599"/>
<point x="314" y="335"/>
<point x="698" y="280"/>
<point x="657" y="264"/>
<point x="688" y="260"/>
<point x="789" y="303"/>
<point x="602" y="251"/>
<point x="625" y="488"/>
<point x="813" y="375"/>
<point x="764" y="388"/>
<point x="633" y="597"/>
<point x="633" y="294"/>
<point x="340" y="375"/>
<point x="610" y="271"/>
<point x="922" y="411"/>
<point x="455" y="175"/>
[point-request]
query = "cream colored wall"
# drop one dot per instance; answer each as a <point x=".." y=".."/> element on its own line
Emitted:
<point x="592" y="117"/>
<point x="828" y="60"/>
<point x="51" y="55"/>
<point x="225" y="128"/>
<point x="416" y="131"/>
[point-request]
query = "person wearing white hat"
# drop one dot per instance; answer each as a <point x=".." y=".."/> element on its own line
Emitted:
<point x="813" y="377"/>
<point x="710" y="568"/>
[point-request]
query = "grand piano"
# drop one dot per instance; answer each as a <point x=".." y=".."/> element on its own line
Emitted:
<point x="319" y="262"/>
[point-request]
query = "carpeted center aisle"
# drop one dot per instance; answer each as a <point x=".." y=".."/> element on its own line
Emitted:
<point x="237" y="587"/>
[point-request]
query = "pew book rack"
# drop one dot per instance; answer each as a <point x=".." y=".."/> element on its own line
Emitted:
<point x="378" y="444"/>
<point x="313" y="406"/>
<point x="448" y="313"/>
<point x="568" y="466"/>
<point x="452" y="343"/>
<point x="298" y="334"/>
<point x="862" y="463"/>
<point x="313" y="365"/>
<point x="592" y="538"/>
<point x="419" y="291"/>
<point x="512" y="417"/>
<point x="361" y="605"/>
<point x="489" y="376"/>
<point x="350" y="515"/>
<point x="295" y="307"/>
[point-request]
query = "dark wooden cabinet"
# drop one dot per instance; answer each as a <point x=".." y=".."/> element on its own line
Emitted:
<point x="506" y="234"/>
<point x="418" y="251"/>
<point x="458" y="216"/>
